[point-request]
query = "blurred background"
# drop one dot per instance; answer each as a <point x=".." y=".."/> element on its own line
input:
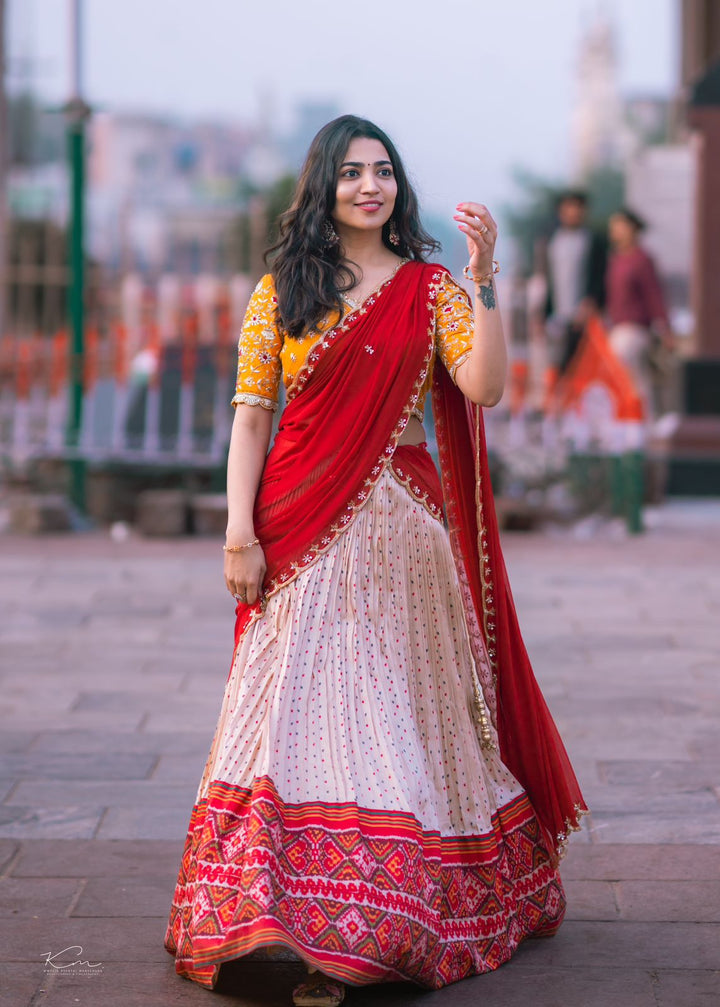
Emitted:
<point x="146" y="151"/>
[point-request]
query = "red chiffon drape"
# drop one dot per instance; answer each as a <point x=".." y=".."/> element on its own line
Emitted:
<point x="530" y="745"/>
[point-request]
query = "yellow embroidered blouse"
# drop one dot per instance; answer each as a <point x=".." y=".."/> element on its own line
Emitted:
<point x="265" y="353"/>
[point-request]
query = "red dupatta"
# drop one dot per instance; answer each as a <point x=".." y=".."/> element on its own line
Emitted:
<point x="340" y="428"/>
<point x="530" y="745"/>
<point x="345" y="412"/>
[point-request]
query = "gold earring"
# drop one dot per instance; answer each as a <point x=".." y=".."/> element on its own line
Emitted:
<point x="330" y="235"/>
<point x="393" y="234"/>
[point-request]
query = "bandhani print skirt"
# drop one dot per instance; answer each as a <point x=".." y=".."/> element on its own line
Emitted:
<point x="348" y="810"/>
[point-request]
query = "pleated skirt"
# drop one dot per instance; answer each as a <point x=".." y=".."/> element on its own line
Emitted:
<point x="348" y="810"/>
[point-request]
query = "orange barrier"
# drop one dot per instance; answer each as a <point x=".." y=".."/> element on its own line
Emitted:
<point x="595" y="364"/>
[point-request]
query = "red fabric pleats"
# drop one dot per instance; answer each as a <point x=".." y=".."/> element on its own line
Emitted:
<point x="530" y="745"/>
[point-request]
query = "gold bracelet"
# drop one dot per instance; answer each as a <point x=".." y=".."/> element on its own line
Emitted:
<point x="241" y="548"/>
<point x="481" y="279"/>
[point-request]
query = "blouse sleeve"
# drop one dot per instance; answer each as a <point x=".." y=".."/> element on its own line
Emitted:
<point x="259" y="368"/>
<point x="454" y="324"/>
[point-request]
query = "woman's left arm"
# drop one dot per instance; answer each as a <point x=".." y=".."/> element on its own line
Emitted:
<point x="481" y="375"/>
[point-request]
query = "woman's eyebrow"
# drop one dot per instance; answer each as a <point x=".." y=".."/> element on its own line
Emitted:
<point x="359" y="164"/>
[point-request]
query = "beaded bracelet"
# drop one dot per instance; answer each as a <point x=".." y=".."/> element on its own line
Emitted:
<point x="241" y="548"/>
<point x="481" y="279"/>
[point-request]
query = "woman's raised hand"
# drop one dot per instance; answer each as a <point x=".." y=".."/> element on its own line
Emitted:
<point x="480" y="230"/>
<point x="244" y="572"/>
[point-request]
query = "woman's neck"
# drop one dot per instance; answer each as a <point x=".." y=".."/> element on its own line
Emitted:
<point x="365" y="249"/>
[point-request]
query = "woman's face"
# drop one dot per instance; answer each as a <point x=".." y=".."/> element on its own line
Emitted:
<point x="621" y="231"/>
<point x="366" y="187"/>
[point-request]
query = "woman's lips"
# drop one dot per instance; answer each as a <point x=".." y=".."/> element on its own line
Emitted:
<point x="369" y="207"/>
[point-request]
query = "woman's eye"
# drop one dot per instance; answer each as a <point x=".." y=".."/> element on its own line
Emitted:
<point x="386" y="172"/>
<point x="350" y="173"/>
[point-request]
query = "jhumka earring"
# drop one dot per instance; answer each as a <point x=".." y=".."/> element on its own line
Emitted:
<point x="330" y="235"/>
<point x="393" y="236"/>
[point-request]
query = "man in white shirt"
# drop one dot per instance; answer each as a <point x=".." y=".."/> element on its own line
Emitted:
<point x="576" y="259"/>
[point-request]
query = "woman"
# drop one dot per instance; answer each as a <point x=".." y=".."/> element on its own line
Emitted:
<point x="635" y="303"/>
<point x="386" y="793"/>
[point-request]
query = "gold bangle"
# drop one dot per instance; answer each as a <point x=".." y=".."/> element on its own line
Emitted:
<point x="481" y="279"/>
<point x="241" y="548"/>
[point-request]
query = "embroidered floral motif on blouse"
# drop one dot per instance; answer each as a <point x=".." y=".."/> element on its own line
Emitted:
<point x="266" y="354"/>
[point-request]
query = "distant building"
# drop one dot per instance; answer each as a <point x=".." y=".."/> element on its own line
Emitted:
<point x="636" y="136"/>
<point x="599" y="131"/>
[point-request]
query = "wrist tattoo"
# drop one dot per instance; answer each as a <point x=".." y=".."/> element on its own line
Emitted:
<point x="487" y="296"/>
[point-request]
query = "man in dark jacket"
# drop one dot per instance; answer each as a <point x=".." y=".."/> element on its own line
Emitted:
<point x="576" y="262"/>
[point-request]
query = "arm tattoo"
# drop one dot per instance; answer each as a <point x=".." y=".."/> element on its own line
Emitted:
<point x="487" y="296"/>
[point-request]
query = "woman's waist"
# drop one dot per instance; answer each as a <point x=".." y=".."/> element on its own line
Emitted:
<point x="414" y="434"/>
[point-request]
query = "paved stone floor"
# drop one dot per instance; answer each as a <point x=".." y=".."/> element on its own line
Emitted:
<point x="113" y="660"/>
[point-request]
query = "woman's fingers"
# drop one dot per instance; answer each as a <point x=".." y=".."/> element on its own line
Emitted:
<point x="480" y="211"/>
<point x="480" y="234"/>
<point x="244" y="577"/>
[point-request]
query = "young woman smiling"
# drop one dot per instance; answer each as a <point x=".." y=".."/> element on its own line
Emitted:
<point x="386" y="793"/>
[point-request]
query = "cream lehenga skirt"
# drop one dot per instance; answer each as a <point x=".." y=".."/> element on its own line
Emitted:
<point x="348" y="810"/>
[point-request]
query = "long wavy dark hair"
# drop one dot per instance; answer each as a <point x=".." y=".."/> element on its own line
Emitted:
<point x="308" y="272"/>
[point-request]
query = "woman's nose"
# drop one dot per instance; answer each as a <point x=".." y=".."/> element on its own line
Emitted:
<point x="369" y="182"/>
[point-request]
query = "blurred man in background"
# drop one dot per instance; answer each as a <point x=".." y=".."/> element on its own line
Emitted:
<point x="575" y="265"/>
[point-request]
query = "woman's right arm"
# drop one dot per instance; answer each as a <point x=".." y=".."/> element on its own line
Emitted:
<point x="251" y="429"/>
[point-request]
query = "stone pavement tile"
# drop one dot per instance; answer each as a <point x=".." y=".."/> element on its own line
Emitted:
<point x="15" y="741"/>
<point x="20" y="981"/>
<point x="661" y="773"/>
<point x="74" y="742"/>
<point x="706" y="746"/>
<point x="705" y="828"/>
<point x="122" y="793"/>
<point x="120" y="939"/>
<point x="621" y="738"/>
<point x="92" y="675"/>
<point x="659" y="802"/>
<point x="64" y="822"/>
<point x="637" y="945"/>
<point x="590" y="900"/>
<point x="203" y="718"/>
<point x="641" y="862"/>
<point x="77" y="766"/>
<point x="37" y="896"/>
<point x="175" y="704"/>
<point x="46" y="858"/>
<point x="181" y="768"/>
<point x="107" y="897"/>
<point x="6" y="787"/>
<point x="516" y="986"/>
<point x="205" y="684"/>
<point x="156" y="984"/>
<point x="125" y="720"/>
<point x="8" y="851"/>
<point x="688" y="901"/>
<point x="167" y="822"/>
<point x="685" y="988"/>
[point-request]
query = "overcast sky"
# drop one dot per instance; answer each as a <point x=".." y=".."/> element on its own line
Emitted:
<point x="467" y="88"/>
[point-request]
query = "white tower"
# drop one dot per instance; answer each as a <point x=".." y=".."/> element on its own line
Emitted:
<point x="599" y="132"/>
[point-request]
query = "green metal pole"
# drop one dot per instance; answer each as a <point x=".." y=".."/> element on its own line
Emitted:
<point x="634" y="462"/>
<point x="76" y="298"/>
<point x="77" y="112"/>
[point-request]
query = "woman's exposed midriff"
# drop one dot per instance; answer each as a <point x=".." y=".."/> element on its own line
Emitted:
<point x="414" y="432"/>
